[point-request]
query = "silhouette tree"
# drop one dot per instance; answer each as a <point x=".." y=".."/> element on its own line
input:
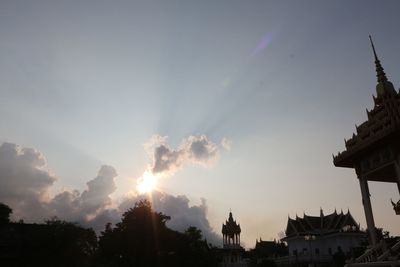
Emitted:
<point x="194" y="234"/>
<point x="69" y="242"/>
<point x="5" y="212"/>
<point x="143" y="239"/>
<point x="55" y="243"/>
<point x="135" y="241"/>
<point x="198" y="252"/>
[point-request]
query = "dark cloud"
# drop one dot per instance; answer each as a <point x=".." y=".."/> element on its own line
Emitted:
<point x="194" y="149"/>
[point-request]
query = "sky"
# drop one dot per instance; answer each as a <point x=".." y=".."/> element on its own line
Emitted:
<point x="239" y="105"/>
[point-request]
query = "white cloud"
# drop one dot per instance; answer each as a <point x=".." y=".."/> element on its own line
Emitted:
<point x="226" y="144"/>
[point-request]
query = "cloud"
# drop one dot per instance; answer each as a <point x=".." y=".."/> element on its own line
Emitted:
<point x="192" y="150"/>
<point x="73" y="205"/>
<point x="97" y="196"/>
<point x="24" y="179"/>
<point x="226" y="144"/>
<point x="25" y="182"/>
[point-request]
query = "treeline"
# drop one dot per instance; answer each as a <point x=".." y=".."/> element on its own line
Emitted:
<point x="141" y="238"/>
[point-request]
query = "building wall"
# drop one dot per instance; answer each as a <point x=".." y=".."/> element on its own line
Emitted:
<point x="327" y="245"/>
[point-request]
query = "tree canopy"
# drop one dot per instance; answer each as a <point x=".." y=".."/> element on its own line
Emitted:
<point x="143" y="239"/>
<point x="5" y="212"/>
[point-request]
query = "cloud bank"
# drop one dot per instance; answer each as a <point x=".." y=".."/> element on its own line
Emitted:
<point x="25" y="181"/>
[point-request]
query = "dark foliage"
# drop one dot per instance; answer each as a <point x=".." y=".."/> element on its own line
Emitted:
<point x="5" y="212"/>
<point x="142" y="239"/>
<point x="339" y="259"/>
<point x="265" y="252"/>
<point x="56" y="243"/>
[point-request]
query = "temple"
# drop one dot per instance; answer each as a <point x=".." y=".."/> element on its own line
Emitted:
<point x="374" y="152"/>
<point x="315" y="239"/>
<point x="231" y="233"/>
<point x="232" y="251"/>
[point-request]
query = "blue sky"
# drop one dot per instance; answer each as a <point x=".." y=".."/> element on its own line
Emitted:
<point x="90" y="82"/>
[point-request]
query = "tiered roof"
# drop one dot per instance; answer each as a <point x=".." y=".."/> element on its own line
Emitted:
<point x="323" y="224"/>
<point x="381" y="128"/>
<point x="230" y="227"/>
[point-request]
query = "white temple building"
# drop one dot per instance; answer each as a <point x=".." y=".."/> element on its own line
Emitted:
<point x="315" y="239"/>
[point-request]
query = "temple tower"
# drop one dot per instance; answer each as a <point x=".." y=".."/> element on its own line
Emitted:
<point x="231" y="233"/>
<point x="232" y="251"/>
<point x="374" y="151"/>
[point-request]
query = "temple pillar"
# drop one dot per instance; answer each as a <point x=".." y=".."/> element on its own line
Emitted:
<point x="368" y="210"/>
<point x="397" y="166"/>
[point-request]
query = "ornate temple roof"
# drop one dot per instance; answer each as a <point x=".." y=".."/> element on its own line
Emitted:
<point x="320" y="225"/>
<point x="382" y="126"/>
<point x="230" y="227"/>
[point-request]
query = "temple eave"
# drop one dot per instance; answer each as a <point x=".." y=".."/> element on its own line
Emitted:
<point x="350" y="157"/>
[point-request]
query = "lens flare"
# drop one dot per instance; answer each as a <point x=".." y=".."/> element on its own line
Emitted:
<point x="147" y="183"/>
<point x="264" y="42"/>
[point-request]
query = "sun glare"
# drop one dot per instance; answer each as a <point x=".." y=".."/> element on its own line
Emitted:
<point x="147" y="182"/>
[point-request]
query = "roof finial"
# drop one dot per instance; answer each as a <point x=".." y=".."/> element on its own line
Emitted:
<point x="373" y="48"/>
<point x="380" y="74"/>
<point x="230" y="213"/>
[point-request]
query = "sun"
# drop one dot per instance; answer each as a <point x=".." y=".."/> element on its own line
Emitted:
<point x="147" y="183"/>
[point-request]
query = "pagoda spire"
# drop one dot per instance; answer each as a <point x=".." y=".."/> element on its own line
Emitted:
<point x="384" y="86"/>
<point x="380" y="74"/>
